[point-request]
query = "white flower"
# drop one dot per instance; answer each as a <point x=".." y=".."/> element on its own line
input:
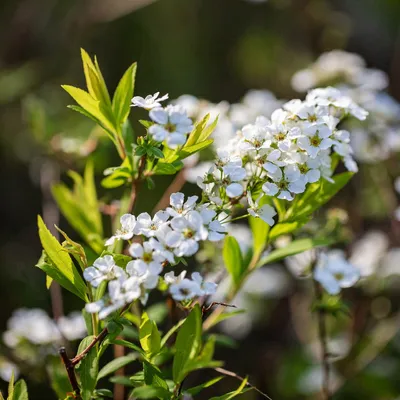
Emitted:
<point x="103" y="269"/>
<point x="179" y="206"/>
<point x="207" y="288"/>
<point x="149" y="102"/>
<point x="33" y="325"/>
<point x="170" y="277"/>
<point x="333" y="272"/>
<point x="149" y="226"/>
<point x="73" y="326"/>
<point x="265" y="212"/>
<point x="216" y="231"/>
<point x="146" y="259"/>
<point x="316" y="139"/>
<point x="186" y="289"/>
<point x="254" y="138"/>
<point x="128" y="223"/>
<point x="171" y="124"/>
<point x="8" y="369"/>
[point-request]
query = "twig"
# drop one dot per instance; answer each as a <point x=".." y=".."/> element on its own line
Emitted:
<point x="70" y="367"/>
<point x="136" y="184"/>
<point x="322" y="335"/>
<point x="233" y="375"/>
<point x="97" y="339"/>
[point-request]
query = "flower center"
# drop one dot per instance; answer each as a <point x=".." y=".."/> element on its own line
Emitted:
<point x="338" y="276"/>
<point x="282" y="185"/>
<point x="303" y="168"/>
<point x="147" y="257"/>
<point x="170" y="127"/>
<point x="188" y="233"/>
<point x="312" y="118"/>
<point x="280" y="136"/>
<point x="315" y="141"/>
<point x="184" y="291"/>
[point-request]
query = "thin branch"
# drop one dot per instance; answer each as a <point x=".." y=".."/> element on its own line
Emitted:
<point x="97" y="339"/>
<point x="323" y="339"/>
<point x="70" y="367"/>
<point x="233" y="375"/>
<point x="136" y="184"/>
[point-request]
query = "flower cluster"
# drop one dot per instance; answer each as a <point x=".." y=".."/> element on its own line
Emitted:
<point x="168" y="236"/>
<point x="377" y="137"/>
<point x="283" y="154"/>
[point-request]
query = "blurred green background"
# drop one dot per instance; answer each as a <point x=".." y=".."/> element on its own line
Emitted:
<point x="213" y="49"/>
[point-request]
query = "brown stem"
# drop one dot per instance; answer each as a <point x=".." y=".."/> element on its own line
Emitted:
<point x="97" y="339"/>
<point x="70" y="367"/>
<point x="323" y="339"/>
<point x="136" y="184"/>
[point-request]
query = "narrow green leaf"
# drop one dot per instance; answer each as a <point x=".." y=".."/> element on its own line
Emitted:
<point x="233" y="258"/>
<point x="123" y="95"/>
<point x="260" y="231"/>
<point x="193" y="138"/>
<point x="188" y="343"/>
<point x="116" y="364"/>
<point x="241" y="389"/>
<point x="61" y="265"/>
<point x="284" y="228"/>
<point x="151" y="392"/>
<point x="153" y="376"/>
<point x="225" y="315"/>
<point x="11" y="387"/>
<point x="295" y="247"/>
<point x="167" y="168"/>
<point x="197" y="389"/>
<point x="188" y="151"/>
<point x="149" y="335"/>
<point x="88" y="369"/>
<point x="20" y="391"/>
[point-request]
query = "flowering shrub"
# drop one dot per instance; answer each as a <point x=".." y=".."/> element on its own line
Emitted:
<point x="275" y="171"/>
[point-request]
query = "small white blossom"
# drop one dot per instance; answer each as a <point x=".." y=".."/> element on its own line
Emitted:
<point x="171" y="124"/>
<point x="185" y="289"/>
<point x="103" y="269"/>
<point x="333" y="272"/>
<point x="148" y="226"/>
<point x="265" y="212"/>
<point x="128" y="223"/>
<point x="72" y="326"/>
<point x="149" y="102"/>
<point x="207" y="288"/>
<point x="146" y="259"/>
<point x="179" y="206"/>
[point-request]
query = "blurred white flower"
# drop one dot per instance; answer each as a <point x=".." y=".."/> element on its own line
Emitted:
<point x="149" y="102"/>
<point x="333" y="272"/>
<point x="128" y="223"/>
<point x="73" y="326"/>
<point x="7" y="369"/>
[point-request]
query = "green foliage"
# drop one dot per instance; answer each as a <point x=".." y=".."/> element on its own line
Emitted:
<point x="151" y="392"/>
<point x="80" y="207"/>
<point x="197" y="389"/>
<point x="57" y="264"/>
<point x="233" y="258"/>
<point x="17" y="391"/>
<point x="260" y="231"/>
<point x="153" y="376"/>
<point x="88" y="369"/>
<point x="116" y="364"/>
<point x="295" y="247"/>
<point x="241" y="389"/>
<point x="118" y="176"/>
<point x="187" y="345"/>
<point x="96" y="104"/>
<point x="149" y="336"/>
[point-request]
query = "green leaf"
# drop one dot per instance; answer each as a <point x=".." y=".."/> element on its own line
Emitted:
<point x="20" y="391"/>
<point x="90" y="105"/>
<point x="153" y="376"/>
<point x="60" y="267"/>
<point x="127" y="344"/>
<point x="206" y="133"/>
<point x="193" y="138"/>
<point x="316" y="195"/>
<point x="188" y="151"/>
<point x="168" y="168"/>
<point x="94" y="81"/>
<point x="260" y="231"/>
<point x="157" y="152"/>
<point x="188" y="343"/>
<point x="149" y="336"/>
<point x="233" y="258"/>
<point x="150" y="392"/>
<point x="11" y="387"/>
<point x="116" y="364"/>
<point x="241" y="389"/>
<point x="74" y="249"/>
<point x="80" y="207"/>
<point x="295" y="247"/>
<point x="197" y="389"/>
<point x="284" y="228"/>
<point x="123" y="95"/>
<point x="88" y="368"/>
<point x="103" y="393"/>
<point x="225" y="315"/>
<point x="171" y="332"/>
